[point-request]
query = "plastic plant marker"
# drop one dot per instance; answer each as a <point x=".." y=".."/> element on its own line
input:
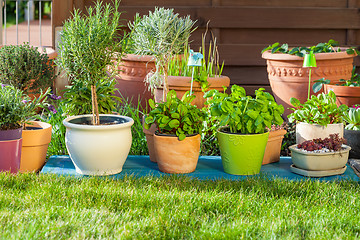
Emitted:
<point x="194" y="61"/>
<point x="309" y="62"/>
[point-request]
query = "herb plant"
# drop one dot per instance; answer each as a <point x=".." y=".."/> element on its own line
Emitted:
<point x="352" y="117"/>
<point x="16" y="108"/>
<point x="332" y="143"/>
<point x="244" y="114"/>
<point x="330" y="46"/>
<point x="210" y="66"/>
<point x="175" y="116"/>
<point x="25" y="68"/>
<point x="164" y="35"/>
<point x="88" y="44"/>
<point x="320" y="109"/>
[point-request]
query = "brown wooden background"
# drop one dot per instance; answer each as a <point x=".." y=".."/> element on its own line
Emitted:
<point x="244" y="27"/>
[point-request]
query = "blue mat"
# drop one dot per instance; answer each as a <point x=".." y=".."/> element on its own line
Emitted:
<point x="207" y="168"/>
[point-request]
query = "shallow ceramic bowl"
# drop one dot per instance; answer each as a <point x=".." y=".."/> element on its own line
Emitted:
<point x="319" y="161"/>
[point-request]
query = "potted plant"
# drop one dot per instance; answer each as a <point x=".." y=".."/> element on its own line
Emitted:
<point x="288" y="78"/>
<point x="318" y="117"/>
<point x="30" y="71"/>
<point x="16" y="109"/>
<point x="177" y="139"/>
<point x="243" y="136"/>
<point x="131" y="70"/>
<point x="352" y="130"/>
<point x="162" y="34"/>
<point x="206" y="76"/>
<point x="320" y="157"/>
<point x="347" y="91"/>
<point x="98" y="144"/>
<point x="25" y="68"/>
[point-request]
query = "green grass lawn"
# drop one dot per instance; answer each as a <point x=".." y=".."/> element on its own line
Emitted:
<point x="53" y="207"/>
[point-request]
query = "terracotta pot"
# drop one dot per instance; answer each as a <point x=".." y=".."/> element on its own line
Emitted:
<point x="319" y="161"/>
<point x="183" y="84"/>
<point x="344" y="94"/>
<point x="353" y="140"/>
<point x="36" y="139"/>
<point x="10" y="155"/>
<point x="273" y="146"/>
<point x="306" y="131"/>
<point x="130" y="76"/>
<point x="174" y="156"/>
<point x="149" y="134"/>
<point x="289" y="79"/>
<point x="98" y="149"/>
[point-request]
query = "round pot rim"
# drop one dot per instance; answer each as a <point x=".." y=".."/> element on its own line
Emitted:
<point x="138" y="58"/>
<point x="352" y="131"/>
<point x="97" y="127"/>
<point x="319" y="56"/>
<point x="293" y="148"/>
<point x="172" y="135"/>
<point x="41" y="124"/>
<point x="319" y="125"/>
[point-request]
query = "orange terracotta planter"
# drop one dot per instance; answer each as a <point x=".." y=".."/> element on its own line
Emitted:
<point x="289" y="79"/>
<point x="344" y="94"/>
<point x="130" y="76"/>
<point x="174" y="156"/>
<point x="183" y="84"/>
<point x="35" y="145"/>
<point x="273" y="146"/>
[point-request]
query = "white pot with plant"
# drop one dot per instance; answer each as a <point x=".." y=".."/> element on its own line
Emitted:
<point x="97" y="144"/>
<point x="318" y="117"/>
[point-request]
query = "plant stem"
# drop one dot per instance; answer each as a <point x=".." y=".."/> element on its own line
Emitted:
<point x="166" y="83"/>
<point x="95" y="110"/>
<point x="309" y="83"/>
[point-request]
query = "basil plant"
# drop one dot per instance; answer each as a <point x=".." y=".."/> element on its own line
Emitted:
<point x="176" y="116"/>
<point x="244" y="114"/>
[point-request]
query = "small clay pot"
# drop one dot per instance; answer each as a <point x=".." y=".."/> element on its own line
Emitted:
<point x="175" y="156"/>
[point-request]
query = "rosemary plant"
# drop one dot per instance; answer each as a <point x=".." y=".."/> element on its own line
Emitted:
<point x="25" y="68"/>
<point x="162" y="34"/>
<point x="88" y="44"/>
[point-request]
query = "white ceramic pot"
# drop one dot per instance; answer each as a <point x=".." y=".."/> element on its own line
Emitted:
<point x="101" y="149"/>
<point x="306" y="131"/>
<point x="319" y="161"/>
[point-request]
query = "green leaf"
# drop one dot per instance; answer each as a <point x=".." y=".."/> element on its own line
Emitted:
<point x="174" y="123"/>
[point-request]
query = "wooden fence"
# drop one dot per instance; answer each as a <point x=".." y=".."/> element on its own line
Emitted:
<point x="244" y="27"/>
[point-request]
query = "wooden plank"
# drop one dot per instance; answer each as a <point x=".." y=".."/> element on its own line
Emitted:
<point x="294" y="37"/>
<point x="257" y="17"/>
<point x="247" y="75"/>
<point x="286" y="3"/>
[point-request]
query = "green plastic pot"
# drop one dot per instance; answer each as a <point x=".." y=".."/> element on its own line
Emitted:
<point x="242" y="154"/>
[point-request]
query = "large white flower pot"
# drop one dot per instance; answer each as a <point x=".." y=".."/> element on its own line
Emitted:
<point x="306" y="131"/>
<point x="101" y="149"/>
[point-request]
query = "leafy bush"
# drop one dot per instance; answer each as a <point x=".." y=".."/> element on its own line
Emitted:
<point x="25" y="68"/>
<point x="244" y="114"/>
<point x="175" y="116"/>
<point x="16" y="108"/>
<point x="320" y="109"/>
<point x="77" y="98"/>
<point x="163" y="34"/>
